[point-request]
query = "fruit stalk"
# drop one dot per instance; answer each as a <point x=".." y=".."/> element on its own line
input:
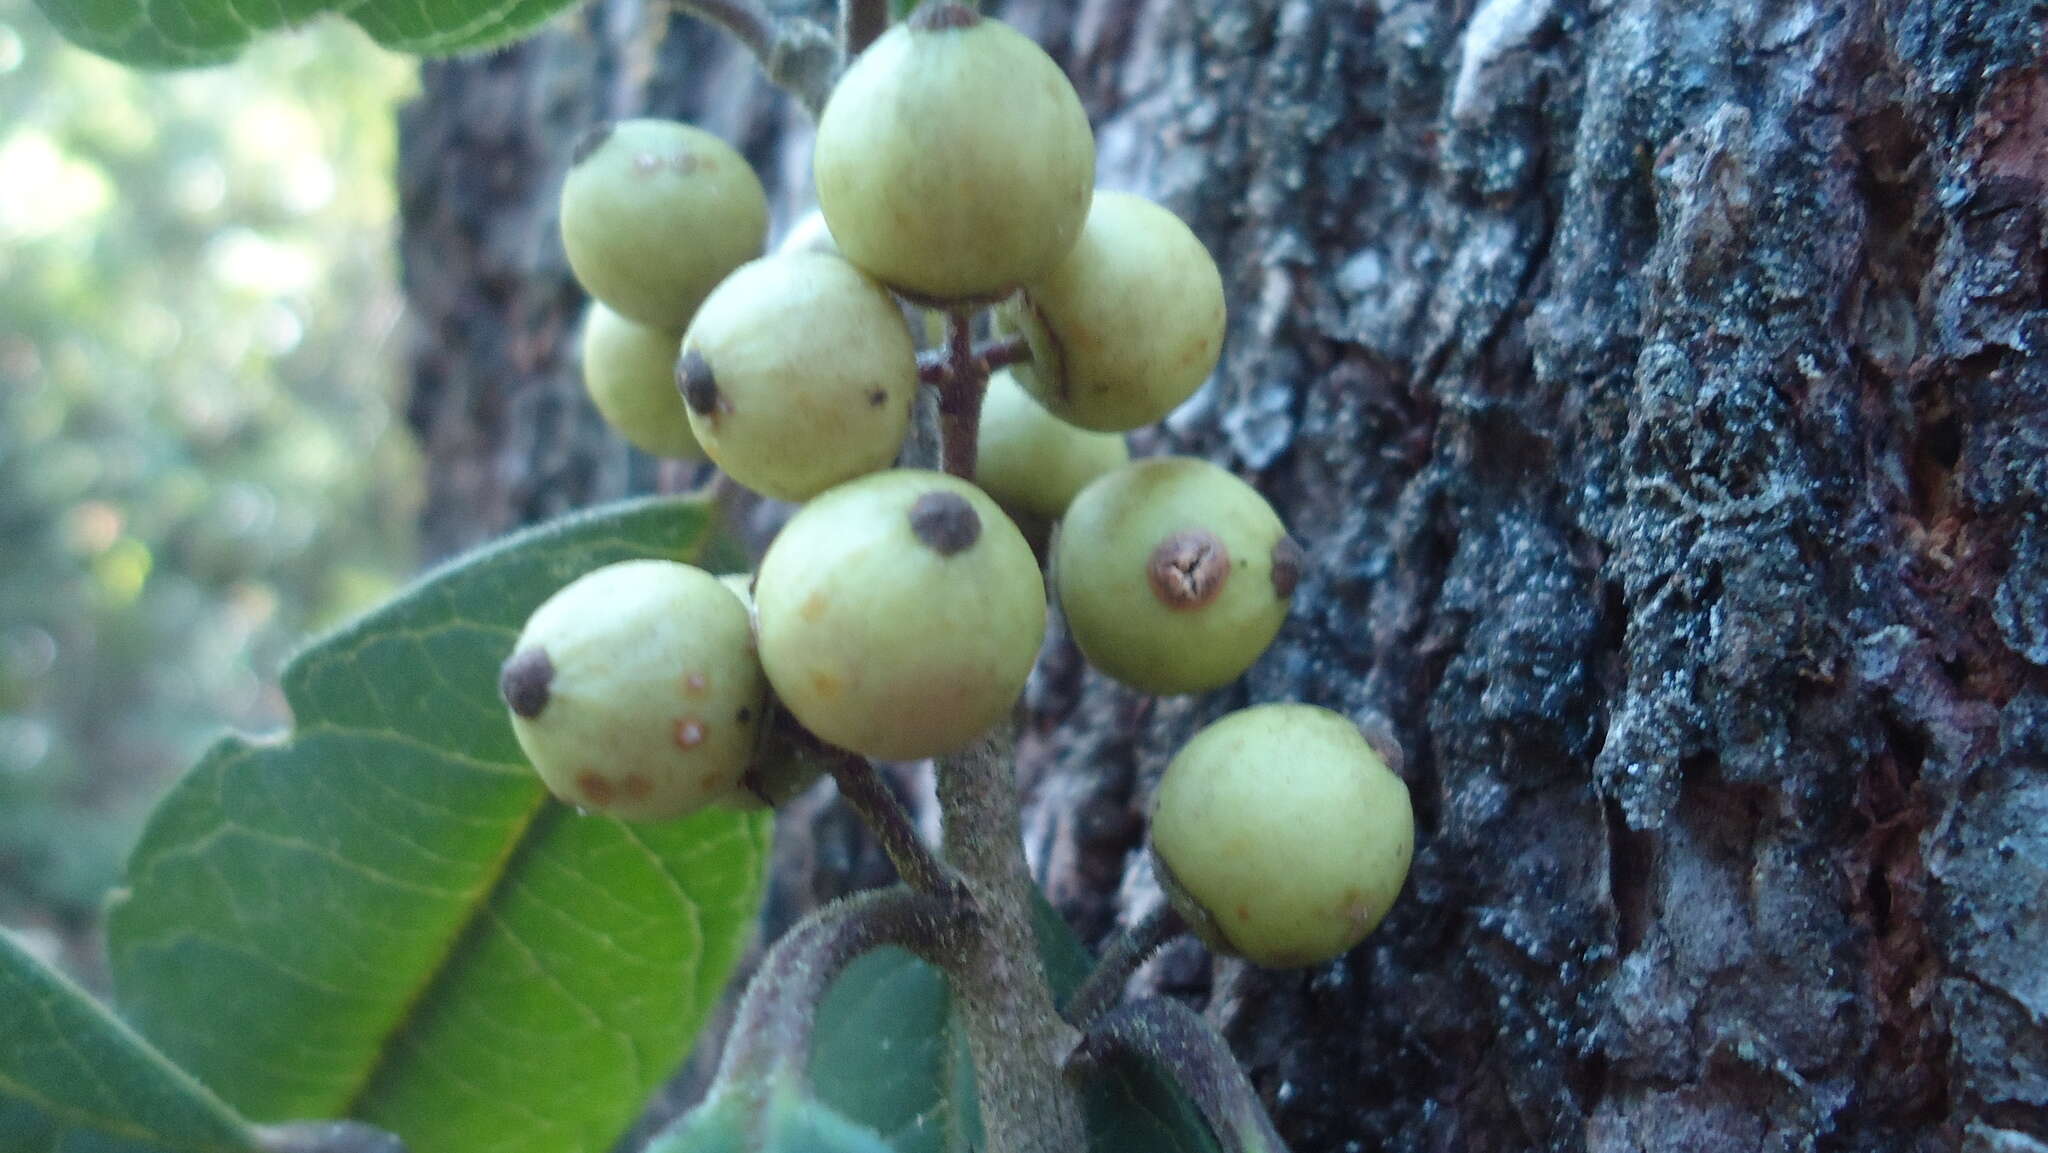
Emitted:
<point x="1013" y="1031"/>
<point x="1173" y="1037"/>
<point x="861" y="786"/>
<point x="1131" y="948"/>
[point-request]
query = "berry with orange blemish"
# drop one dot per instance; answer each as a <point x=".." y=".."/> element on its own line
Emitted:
<point x="594" y="682"/>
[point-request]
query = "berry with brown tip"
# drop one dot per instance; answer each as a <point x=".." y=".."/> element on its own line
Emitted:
<point x="798" y="374"/>
<point x="1173" y="575"/>
<point x="635" y="691"/>
<point x="900" y="614"/>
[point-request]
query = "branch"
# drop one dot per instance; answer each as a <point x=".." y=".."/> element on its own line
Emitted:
<point x="1001" y="999"/>
<point x="863" y="788"/>
<point x="1131" y="948"/>
<point x="1173" y="1037"/>
<point x="797" y="55"/>
<point x="771" y="1034"/>
<point x="960" y="396"/>
<point x="935" y="366"/>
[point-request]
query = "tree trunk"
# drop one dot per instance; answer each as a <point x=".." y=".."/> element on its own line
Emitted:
<point x="1656" y="386"/>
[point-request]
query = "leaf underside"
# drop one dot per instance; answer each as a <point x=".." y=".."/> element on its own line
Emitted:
<point x="72" y="1077"/>
<point x="384" y="916"/>
<point x="191" y="33"/>
<point x="888" y="1057"/>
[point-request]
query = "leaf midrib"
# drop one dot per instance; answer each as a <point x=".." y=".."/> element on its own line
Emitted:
<point x="534" y="819"/>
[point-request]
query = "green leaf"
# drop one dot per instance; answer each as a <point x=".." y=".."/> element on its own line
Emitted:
<point x="74" y="1077"/>
<point x="886" y="1056"/>
<point x="386" y="917"/>
<point x="186" y="33"/>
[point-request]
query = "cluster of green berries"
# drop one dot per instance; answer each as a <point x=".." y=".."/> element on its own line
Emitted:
<point x="899" y="613"/>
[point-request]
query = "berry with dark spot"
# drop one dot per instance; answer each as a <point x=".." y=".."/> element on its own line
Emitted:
<point x="634" y="691"/>
<point x="1032" y="462"/>
<point x="1281" y="835"/>
<point x="781" y="369"/>
<point x="626" y="370"/>
<point x="954" y="160"/>
<point x="1165" y="573"/>
<point x="900" y="614"/>
<point x="655" y="213"/>
<point x="1128" y="325"/>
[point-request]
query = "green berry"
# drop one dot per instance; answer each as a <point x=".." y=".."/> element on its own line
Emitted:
<point x="900" y="614"/>
<point x="635" y="691"/>
<point x="1281" y="835"/>
<point x="655" y="214"/>
<point x="1173" y="575"/>
<point x="798" y="374"/>
<point x="954" y="160"/>
<point x="1128" y="326"/>
<point x="1032" y="462"/>
<point x="629" y="371"/>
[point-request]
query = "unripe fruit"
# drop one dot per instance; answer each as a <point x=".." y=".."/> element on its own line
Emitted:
<point x="1128" y="326"/>
<point x="629" y="371"/>
<point x="798" y="374"/>
<point x="655" y="214"/>
<point x="1281" y="835"/>
<point x="1173" y="574"/>
<point x="635" y="691"/>
<point x="1032" y="462"/>
<point x="954" y="160"/>
<point x="899" y="615"/>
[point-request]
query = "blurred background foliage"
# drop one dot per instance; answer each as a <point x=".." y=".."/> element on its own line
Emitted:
<point x="201" y="456"/>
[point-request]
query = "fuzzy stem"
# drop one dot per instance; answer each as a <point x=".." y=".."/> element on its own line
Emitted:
<point x="747" y="22"/>
<point x="1131" y="948"/>
<point x="935" y="366"/>
<point x="960" y="396"/>
<point x="799" y="56"/>
<point x="1173" y="1037"/>
<point x="771" y="1034"/>
<point x="860" y="22"/>
<point x="862" y="787"/>
<point x="1001" y="997"/>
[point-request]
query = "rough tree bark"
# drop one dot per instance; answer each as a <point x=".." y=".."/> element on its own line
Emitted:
<point x="1658" y="388"/>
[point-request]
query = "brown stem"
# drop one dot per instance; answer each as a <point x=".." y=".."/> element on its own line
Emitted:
<point x="860" y="22"/>
<point x="771" y="1033"/>
<point x="799" y="56"/>
<point x="935" y="366"/>
<point x="861" y="784"/>
<point x="1001" y="999"/>
<point x="749" y="23"/>
<point x="960" y="394"/>
<point x="1130" y="949"/>
<point x="1171" y="1036"/>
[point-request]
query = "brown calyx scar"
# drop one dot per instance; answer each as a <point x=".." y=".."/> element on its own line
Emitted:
<point x="695" y="382"/>
<point x="1188" y="569"/>
<point x="1287" y="563"/>
<point x="945" y="522"/>
<point x="525" y="680"/>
